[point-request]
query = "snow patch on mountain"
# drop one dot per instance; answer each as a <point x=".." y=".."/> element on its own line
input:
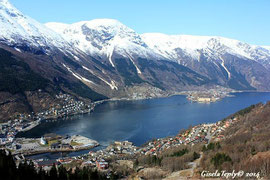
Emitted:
<point x="78" y="76"/>
<point x="104" y="37"/>
<point x="112" y="84"/>
<point x="131" y="59"/>
<point x="168" y="46"/>
<point x="223" y="65"/>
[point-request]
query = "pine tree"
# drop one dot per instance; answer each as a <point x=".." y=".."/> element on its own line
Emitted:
<point x="53" y="173"/>
<point x="62" y="173"/>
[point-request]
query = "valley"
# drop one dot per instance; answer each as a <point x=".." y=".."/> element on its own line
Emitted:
<point x="104" y="59"/>
<point x="102" y="99"/>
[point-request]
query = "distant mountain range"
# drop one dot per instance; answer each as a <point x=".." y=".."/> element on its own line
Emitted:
<point x="103" y="58"/>
<point x="224" y="61"/>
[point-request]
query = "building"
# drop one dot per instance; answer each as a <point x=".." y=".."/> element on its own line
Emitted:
<point x="204" y="99"/>
<point x="47" y="163"/>
<point x="102" y="164"/>
<point x="66" y="146"/>
<point x="55" y="146"/>
<point x="64" y="160"/>
<point x="43" y="141"/>
<point x="19" y="127"/>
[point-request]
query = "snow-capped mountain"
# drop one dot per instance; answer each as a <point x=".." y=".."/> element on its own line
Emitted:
<point x="103" y="54"/>
<point x="119" y="50"/>
<point x="212" y="46"/>
<point x="104" y="37"/>
<point x="104" y="58"/>
<point x="221" y="59"/>
<point x="20" y="30"/>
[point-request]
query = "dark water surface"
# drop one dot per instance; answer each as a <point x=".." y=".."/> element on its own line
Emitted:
<point x="142" y="120"/>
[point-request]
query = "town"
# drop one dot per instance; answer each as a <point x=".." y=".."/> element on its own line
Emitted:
<point x="67" y="107"/>
<point x="209" y="96"/>
<point x="120" y="152"/>
<point x="101" y="159"/>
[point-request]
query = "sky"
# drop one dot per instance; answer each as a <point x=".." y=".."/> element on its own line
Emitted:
<point x="244" y="20"/>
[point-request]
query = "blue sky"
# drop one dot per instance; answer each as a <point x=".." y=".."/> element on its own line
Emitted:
<point x="245" y="20"/>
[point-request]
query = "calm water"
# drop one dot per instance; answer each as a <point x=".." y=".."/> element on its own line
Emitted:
<point x="143" y="120"/>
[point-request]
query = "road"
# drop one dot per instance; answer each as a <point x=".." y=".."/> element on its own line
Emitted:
<point x="209" y="135"/>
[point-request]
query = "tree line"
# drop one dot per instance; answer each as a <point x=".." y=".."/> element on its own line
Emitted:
<point x="27" y="171"/>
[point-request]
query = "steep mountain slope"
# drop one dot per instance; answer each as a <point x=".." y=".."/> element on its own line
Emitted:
<point x="103" y="37"/>
<point x="94" y="61"/>
<point x="229" y="62"/>
<point x="88" y="51"/>
<point x="212" y="56"/>
<point x="246" y="143"/>
<point x="122" y="50"/>
<point x="224" y="61"/>
<point x="104" y="58"/>
<point x="23" y="32"/>
<point x="212" y="45"/>
<point x="31" y="64"/>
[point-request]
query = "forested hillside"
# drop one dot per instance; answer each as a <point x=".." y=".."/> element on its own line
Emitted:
<point x="246" y="145"/>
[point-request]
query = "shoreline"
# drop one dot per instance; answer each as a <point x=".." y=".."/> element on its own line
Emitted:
<point x="41" y="152"/>
<point x="111" y="100"/>
<point x="53" y="143"/>
<point x="184" y="93"/>
<point x="55" y="151"/>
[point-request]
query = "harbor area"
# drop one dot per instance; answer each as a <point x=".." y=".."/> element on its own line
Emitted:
<point x="51" y="143"/>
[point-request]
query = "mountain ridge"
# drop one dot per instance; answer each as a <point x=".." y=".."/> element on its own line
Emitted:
<point x="191" y="42"/>
<point x="206" y="55"/>
<point x="103" y="58"/>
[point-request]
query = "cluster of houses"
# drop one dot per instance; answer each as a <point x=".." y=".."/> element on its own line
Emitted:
<point x="197" y="134"/>
<point x="69" y="106"/>
<point x="102" y="164"/>
<point x="9" y="130"/>
<point x="82" y="161"/>
<point x="116" y="149"/>
<point x="119" y="150"/>
<point x="24" y="122"/>
<point x="200" y="133"/>
<point x="124" y="147"/>
<point x="211" y="95"/>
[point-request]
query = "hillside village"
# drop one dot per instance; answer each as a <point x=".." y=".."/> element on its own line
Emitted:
<point x="68" y="106"/>
<point x="103" y="159"/>
<point x="118" y="151"/>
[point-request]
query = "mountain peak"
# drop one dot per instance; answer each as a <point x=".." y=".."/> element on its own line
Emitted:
<point x="95" y="23"/>
<point x="97" y="35"/>
<point x="101" y="27"/>
<point x="20" y="30"/>
<point x="104" y="22"/>
<point x="110" y="26"/>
